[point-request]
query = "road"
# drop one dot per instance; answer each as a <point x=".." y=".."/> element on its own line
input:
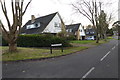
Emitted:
<point x="96" y="62"/>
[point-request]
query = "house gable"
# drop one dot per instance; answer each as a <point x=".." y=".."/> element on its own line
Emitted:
<point x="82" y="32"/>
<point x="55" y="25"/>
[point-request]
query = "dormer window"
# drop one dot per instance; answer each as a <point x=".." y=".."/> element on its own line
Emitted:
<point x="28" y="27"/>
<point x="36" y="25"/>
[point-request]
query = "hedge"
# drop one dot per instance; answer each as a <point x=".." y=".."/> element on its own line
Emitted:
<point x="40" y="40"/>
<point x="2" y="41"/>
<point x="44" y="40"/>
<point x="71" y="37"/>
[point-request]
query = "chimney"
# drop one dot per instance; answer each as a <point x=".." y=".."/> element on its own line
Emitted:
<point x="32" y="18"/>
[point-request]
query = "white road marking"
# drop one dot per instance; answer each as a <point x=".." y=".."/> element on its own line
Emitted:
<point x="105" y="56"/>
<point x="113" y="48"/>
<point x="88" y="72"/>
<point x="23" y="71"/>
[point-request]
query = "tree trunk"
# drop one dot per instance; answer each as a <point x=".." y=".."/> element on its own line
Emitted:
<point x="105" y="37"/>
<point x="12" y="47"/>
<point x="97" y="38"/>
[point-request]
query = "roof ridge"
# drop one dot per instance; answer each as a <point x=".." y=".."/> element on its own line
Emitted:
<point x="47" y="15"/>
<point x="73" y="24"/>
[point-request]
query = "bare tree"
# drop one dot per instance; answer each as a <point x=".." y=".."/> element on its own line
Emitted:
<point x="17" y="12"/>
<point x="90" y="10"/>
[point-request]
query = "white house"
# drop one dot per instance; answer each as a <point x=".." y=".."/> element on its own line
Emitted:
<point x="77" y="30"/>
<point x="51" y="23"/>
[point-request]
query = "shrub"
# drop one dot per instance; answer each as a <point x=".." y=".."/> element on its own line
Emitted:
<point x="62" y="34"/>
<point x="4" y="43"/>
<point x="44" y="40"/>
<point x="71" y="37"/>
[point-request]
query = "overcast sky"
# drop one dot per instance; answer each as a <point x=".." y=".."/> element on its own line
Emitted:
<point x="44" y="7"/>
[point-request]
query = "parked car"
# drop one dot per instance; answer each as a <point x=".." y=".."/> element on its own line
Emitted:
<point x="90" y="38"/>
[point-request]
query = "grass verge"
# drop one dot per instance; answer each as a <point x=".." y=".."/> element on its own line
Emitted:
<point x="36" y="53"/>
<point x="82" y="41"/>
<point x="100" y="42"/>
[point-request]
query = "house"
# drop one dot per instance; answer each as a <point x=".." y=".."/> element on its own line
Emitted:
<point x="51" y="23"/>
<point x="77" y="30"/>
<point x="90" y="34"/>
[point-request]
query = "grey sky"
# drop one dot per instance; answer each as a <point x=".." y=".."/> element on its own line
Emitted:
<point x="44" y="7"/>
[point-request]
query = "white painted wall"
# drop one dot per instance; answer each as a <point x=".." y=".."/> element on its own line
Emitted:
<point x="83" y="32"/>
<point x="51" y="26"/>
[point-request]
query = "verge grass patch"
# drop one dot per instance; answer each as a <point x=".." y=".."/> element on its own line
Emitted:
<point x="82" y="41"/>
<point x="36" y="53"/>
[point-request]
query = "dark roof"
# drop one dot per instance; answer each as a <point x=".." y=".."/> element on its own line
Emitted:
<point x="90" y="32"/>
<point x="44" y="21"/>
<point x="74" y="27"/>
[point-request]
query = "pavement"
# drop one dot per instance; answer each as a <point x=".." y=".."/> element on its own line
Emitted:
<point x="96" y="62"/>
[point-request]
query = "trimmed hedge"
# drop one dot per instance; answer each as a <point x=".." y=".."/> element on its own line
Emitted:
<point x="44" y="40"/>
<point x="38" y="40"/>
<point x="2" y="41"/>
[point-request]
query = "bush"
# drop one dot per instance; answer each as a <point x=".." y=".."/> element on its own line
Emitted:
<point x="44" y="40"/>
<point x="62" y="34"/>
<point x="71" y="37"/>
<point x="4" y="43"/>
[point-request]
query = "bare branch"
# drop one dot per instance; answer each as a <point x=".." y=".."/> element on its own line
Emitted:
<point x="2" y="26"/>
<point x="13" y="12"/>
<point x="26" y="7"/>
<point x="81" y="12"/>
<point x="5" y="13"/>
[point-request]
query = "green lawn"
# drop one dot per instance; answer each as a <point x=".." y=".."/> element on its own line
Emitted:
<point x="36" y="53"/>
<point x="91" y="42"/>
<point x="110" y="37"/>
<point x="82" y="41"/>
<point x="100" y="42"/>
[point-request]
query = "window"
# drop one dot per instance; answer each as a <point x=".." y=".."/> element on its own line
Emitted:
<point x="92" y="32"/>
<point x="37" y="25"/>
<point x="57" y="24"/>
<point x="70" y="30"/>
<point x="67" y="30"/>
<point x="80" y="30"/>
<point x="33" y="26"/>
<point x="28" y="27"/>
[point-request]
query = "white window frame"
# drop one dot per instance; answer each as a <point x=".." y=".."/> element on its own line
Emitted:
<point x="32" y="26"/>
<point x="70" y="30"/>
